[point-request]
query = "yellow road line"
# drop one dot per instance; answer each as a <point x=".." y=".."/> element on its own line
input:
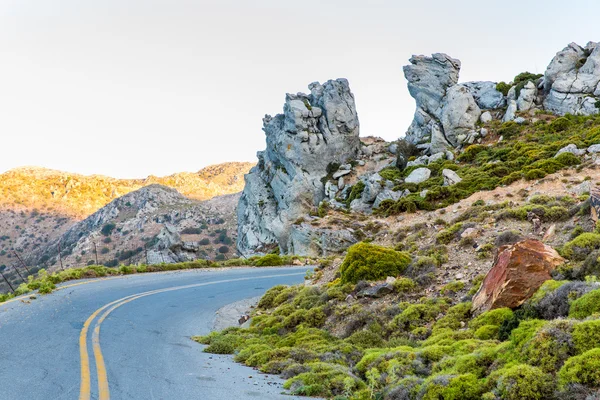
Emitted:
<point x="103" y="386"/>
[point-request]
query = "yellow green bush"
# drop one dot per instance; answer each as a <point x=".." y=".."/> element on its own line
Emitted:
<point x="369" y="262"/>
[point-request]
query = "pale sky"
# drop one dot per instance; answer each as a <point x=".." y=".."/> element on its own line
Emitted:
<point x="129" y="88"/>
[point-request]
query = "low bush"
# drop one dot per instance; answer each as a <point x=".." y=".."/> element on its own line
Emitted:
<point x="583" y="369"/>
<point x="366" y="261"/>
<point x="586" y="305"/>
<point x="580" y="247"/>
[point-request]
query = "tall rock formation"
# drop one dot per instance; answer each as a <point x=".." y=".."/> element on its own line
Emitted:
<point x="315" y="133"/>
<point x="446" y="111"/>
<point x="572" y="80"/>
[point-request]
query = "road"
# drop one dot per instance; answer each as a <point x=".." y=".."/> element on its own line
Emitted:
<point x="129" y="338"/>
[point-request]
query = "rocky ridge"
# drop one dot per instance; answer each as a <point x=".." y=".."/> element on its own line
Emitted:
<point x="289" y="188"/>
<point x="448" y="112"/>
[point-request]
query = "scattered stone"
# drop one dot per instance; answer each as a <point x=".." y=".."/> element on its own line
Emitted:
<point x="511" y="111"/>
<point x="550" y="233"/>
<point x="243" y="319"/>
<point x="520" y="120"/>
<point x="422" y="160"/>
<point x="450" y="177"/>
<point x="518" y="272"/>
<point x="418" y="175"/>
<point x="469" y="233"/>
<point x="527" y="97"/>
<point x="377" y="291"/>
<point x="595" y="148"/>
<point x="390" y="279"/>
<point x="436" y="157"/>
<point x="583" y="188"/>
<point x="486" y="117"/>
<point x="341" y="173"/>
<point x="571" y="148"/>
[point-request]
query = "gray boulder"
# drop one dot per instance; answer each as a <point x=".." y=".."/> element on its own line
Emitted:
<point x="511" y="111"/>
<point x="486" y="117"/>
<point x="315" y="130"/>
<point x="527" y="97"/>
<point x="571" y="148"/>
<point x="445" y="110"/>
<point x="450" y="177"/>
<point x="595" y="148"/>
<point x="572" y="80"/>
<point x="418" y="175"/>
<point x="485" y="94"/>
<point x="386" y="194"/>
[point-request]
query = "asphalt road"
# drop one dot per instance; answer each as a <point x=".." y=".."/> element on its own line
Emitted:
<point x="129" y="338"/>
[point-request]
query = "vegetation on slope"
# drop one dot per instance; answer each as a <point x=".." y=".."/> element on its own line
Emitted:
<point x="526" y="152"/>
<point x="422" y="341"/>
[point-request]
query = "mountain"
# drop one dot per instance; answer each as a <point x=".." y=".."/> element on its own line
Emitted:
<point x="155" y="224"/>
<point x="38" y="206"/>
<point x="78" y="196"/>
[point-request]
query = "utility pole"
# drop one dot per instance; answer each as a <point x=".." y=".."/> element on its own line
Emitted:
<point x="21" y="261"/>
<point x="96" y="252"/>
<point x="146" y="250"/>
<point x="60" y="256"/>
<point x="6" y="280"/>
<point x="18" y="273"/>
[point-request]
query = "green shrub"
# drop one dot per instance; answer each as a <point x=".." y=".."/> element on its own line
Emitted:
<point x="267" y="301"/>
<point x="586" y="335"/>
<point x="365" y="339"/>
<point x="559" y="124"/>
<point x="578" y="248"/>
<point x="503" y="88"/>
<point x="487" y="332"/>
<point x="586" y="305"/>
<point x="461" y="387"/>
<point x="356" y="192"/>
<point x="523" y="382"/>
<point x="269" y="260"/>
<point x="390" y="173"/>
<point x="449" y="234"/>
<point x="493" y="317"/>
<point x="365" y="261"/>
<point x="452" y="287"/>
<point x="583" y="369"/>
<point x="404" y="285"/>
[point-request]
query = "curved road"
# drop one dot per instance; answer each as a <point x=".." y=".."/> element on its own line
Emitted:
<point x="129" y="338"/>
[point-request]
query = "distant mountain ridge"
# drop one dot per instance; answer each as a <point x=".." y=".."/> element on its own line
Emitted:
<point x="78" y="196"/>
<point x="38" y="206"/>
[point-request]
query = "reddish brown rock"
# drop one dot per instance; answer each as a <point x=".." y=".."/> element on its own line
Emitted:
<point x="519" y="270"/>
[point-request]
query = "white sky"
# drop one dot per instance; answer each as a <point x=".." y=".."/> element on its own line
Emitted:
<point x="129" y="88"/>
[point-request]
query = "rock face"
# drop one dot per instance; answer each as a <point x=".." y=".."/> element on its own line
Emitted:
<point x="572" y="80"/>
<point x="315" y="131"/>
<point x="519" y="270"/>
<point x="446" y="111"/>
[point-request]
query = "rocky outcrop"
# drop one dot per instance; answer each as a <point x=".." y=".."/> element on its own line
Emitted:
<point x="316" y="133"/>
<point x="446" y="112"/>
<point x="518" y="272"/>
<point x="572" y="80"/>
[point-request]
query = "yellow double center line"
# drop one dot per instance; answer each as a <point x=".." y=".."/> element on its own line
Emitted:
<point x="103" y="387"/>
